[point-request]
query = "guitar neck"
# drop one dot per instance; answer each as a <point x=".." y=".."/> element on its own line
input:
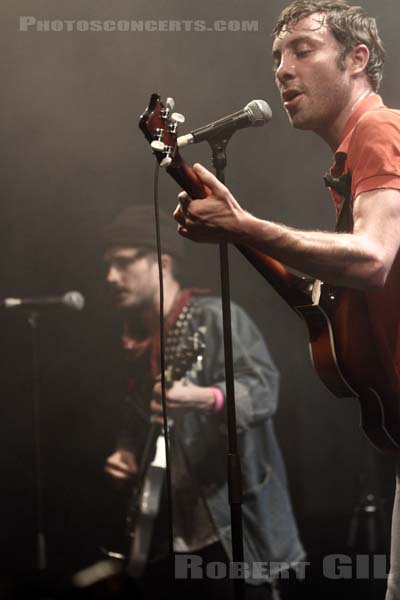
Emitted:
<point x="289" y="286"/>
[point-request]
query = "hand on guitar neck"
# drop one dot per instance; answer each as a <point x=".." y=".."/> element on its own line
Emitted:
<point x="217" y="217"/>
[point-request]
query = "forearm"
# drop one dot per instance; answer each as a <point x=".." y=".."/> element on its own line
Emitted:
<point x="362" y="259"/>
<point x="339" y="259"/>
<point x="256" y="398"/>
<point x="184" y="395"/>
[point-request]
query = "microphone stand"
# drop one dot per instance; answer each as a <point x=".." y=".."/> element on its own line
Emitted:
<point x="41" y="553"/>
<point x="218" y="148"/>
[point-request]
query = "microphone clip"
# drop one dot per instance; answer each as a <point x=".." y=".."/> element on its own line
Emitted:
<point x="218" y="146"/>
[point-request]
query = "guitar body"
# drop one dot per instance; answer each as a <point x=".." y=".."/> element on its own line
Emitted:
<point x="344" y="355"/>
<point x="148" y="510"/>
<point x="342" y="343"/>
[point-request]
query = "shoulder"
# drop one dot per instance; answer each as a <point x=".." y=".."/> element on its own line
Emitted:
<point x="378" y="121"/>
<point x="208" y="311"/>
<point x="213" y="305"/>
<point x="375" y="142"/>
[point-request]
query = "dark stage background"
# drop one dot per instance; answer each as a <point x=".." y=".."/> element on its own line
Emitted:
<point x="71" y="157"/>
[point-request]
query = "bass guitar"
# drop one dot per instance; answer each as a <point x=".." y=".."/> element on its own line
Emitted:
<point x="341" y="339"/>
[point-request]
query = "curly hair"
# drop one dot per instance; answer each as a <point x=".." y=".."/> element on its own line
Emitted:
<point x="350" y="25"/>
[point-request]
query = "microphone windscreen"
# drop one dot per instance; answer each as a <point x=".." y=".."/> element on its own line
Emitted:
<point x="74" y="300"/>
<point x="259" y="112"/>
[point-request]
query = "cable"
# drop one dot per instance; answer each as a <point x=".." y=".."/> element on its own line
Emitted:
<point x="162" y="359"/>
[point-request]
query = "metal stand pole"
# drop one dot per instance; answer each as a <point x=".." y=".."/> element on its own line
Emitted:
<point x="218" y="148"/>
<point x="41" y="552"/>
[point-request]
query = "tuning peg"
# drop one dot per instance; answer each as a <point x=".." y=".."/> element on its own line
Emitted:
<point x="166" y="161"/>
<point x="158" y="146"/>
<point x="177" y="118"/>
<point x="170" y="103"/>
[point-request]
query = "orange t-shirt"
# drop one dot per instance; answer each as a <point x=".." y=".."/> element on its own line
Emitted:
<point x="370" y="152"/>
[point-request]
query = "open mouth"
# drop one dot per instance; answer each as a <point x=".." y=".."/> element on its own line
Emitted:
<point x="291" y="97"/>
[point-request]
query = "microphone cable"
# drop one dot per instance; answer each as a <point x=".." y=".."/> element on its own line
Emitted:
<point x="162" y="358"/>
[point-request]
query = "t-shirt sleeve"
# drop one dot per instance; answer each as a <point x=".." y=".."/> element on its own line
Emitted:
<point x="374" y="152"/>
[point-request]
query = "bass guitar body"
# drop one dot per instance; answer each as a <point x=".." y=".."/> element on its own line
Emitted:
<point x="344" y="355"/>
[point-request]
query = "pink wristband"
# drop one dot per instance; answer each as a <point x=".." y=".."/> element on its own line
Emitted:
<point x="219" y="398"/>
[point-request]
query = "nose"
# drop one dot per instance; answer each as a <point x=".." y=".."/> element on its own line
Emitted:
<point x="112" y="275"/>
<point x="285" y="71"/>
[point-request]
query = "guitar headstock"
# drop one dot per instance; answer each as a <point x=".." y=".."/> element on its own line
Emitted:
<point x="160" y="124"/>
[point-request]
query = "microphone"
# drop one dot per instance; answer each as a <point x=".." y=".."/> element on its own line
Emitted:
<point x="255" y="114"/>
<point x="73" y="300"/>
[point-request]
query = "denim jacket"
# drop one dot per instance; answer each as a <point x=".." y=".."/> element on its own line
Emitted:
<point x="270" y="532"/>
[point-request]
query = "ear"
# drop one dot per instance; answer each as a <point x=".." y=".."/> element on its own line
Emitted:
<point x="359" y="57"/>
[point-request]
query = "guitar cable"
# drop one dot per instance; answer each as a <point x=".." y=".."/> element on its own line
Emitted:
<point x="162" y="359"/>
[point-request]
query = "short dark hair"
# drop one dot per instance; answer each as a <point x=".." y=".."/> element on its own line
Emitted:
<point x="350" y="25"/>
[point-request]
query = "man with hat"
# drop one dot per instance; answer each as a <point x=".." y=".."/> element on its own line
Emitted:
<point x="196" y="403"/>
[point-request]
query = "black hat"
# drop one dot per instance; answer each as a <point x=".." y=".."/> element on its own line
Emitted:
<point x="136" y="226"/>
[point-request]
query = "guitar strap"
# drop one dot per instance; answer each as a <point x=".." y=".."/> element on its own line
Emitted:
<point x="342" y="185"/>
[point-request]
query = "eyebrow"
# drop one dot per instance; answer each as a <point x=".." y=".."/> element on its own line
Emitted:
<point x="294" y="42"/>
